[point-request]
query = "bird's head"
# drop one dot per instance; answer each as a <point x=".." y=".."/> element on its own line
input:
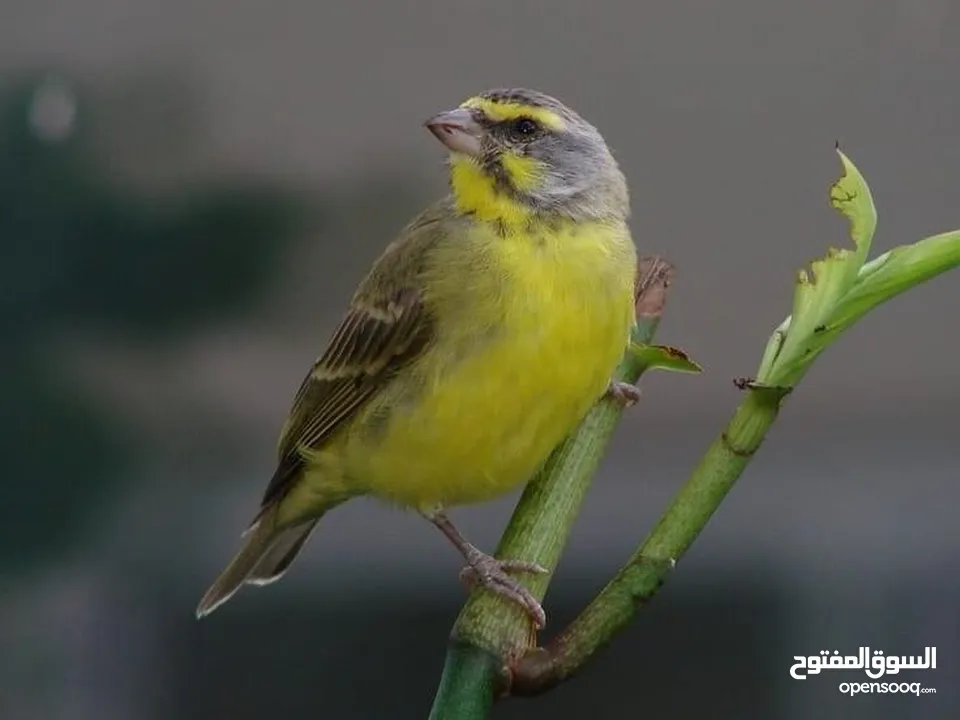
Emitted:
<point x="517" y="153"/>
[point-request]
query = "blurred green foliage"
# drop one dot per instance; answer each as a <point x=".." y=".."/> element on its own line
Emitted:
<point x="79" y="249"/>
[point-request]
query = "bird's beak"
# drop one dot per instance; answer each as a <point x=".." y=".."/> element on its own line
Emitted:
<point x="458" y="131"/>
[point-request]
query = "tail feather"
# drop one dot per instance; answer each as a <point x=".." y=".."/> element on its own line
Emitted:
<point x="266" y="553"/>
<point x="276" y="561"/>
<point x="258" y="540"/>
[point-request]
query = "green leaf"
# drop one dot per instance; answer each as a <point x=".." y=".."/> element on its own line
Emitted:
<point x="773" y="348"/>
<point x="663" y="357"/>
<point x="892" y="273"/>
<point x="818" y="292"/>
<point x="843" y="287"/>
<point x="851" y="197"/>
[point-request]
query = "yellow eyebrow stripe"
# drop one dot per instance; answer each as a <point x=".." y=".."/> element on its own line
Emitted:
<point x="503" y="111"/>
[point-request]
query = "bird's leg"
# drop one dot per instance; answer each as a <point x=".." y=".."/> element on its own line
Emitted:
<point x="625" y="393"/>
<point x="488" y="571"/>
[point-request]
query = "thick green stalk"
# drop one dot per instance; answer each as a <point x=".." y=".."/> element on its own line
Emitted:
<point x="468" y="685"/>
<point x="490" y="630"/>
<point x="646" y="571"/>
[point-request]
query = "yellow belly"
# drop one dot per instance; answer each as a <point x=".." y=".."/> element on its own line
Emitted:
<point x="541" y="327"/>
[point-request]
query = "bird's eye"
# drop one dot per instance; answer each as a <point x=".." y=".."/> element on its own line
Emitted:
<point x="524" y="127"/>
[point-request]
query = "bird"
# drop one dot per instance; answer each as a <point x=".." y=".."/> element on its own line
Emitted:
<point x="476" y="343"/>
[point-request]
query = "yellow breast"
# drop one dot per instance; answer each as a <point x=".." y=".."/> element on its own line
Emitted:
<point x="530" y="328"/>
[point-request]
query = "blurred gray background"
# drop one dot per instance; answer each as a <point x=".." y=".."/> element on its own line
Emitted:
<point x="190" y="191"/>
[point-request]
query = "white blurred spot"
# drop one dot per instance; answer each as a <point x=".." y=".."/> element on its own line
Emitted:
<point x="53" y="111"/>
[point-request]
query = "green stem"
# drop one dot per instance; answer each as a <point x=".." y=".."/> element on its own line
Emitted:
<point x="468" y="683"/>
<point x="640" y="579"/>
<point x="491" y="627"/>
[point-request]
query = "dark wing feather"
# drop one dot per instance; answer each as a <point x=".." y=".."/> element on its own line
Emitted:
<point x="371" y="344"/>
<point x="386" y="327"/>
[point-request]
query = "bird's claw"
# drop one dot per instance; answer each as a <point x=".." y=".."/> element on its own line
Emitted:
<point x="625" y="393"/>
<point x="491" y="574"/>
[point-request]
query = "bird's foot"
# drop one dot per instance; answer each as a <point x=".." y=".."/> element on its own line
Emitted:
<point x="488" y="572"/>
<point x="625" y="393"/>
<point x="491" y="574"/>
